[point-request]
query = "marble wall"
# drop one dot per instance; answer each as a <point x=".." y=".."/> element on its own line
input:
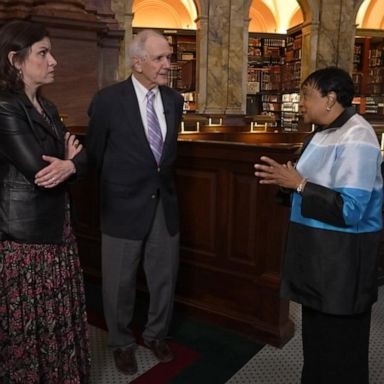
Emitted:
<point x="85" y="42"/>
<point x="328" y="34"/>
<point x="101" y="31"/>
<point x="222" y="38"/>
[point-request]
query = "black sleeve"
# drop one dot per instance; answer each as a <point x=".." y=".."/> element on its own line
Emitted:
<point x="323" y="204"/>
<point x="283" y="196"/>
<point x="179" y="108"/>
<point x="17" y="141"/>
<point x="80" y="162"/>
<point x="97" y="133"/>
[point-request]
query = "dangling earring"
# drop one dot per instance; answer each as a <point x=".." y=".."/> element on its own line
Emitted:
<point x="20" y="74"/>
<point x="328" y="109"/>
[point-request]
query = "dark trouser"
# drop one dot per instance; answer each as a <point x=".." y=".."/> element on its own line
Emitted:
<point x="121" y="258"/>
<point x="335" y="348"/>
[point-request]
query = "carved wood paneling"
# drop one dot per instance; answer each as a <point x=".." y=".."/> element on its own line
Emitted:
<point x="238" y="284"/>
<point x="198" y="210"/>
<point x="232" y="236"/>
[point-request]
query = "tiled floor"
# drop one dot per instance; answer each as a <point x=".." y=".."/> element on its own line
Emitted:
<point x="103" y="370"/>
<point x="269" y="366"/>
<point x="283" y="366"/>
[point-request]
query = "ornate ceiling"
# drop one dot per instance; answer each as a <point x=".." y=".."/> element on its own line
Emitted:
<point x="265" y="15"/>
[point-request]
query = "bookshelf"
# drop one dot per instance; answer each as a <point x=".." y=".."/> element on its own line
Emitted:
<point x="290" y="111"/>
<point x="357" y="72"/>
<point x="291" y="71"/>
<point x="182" y="74"/>
<point x="291" y="80"/>
<point x="274" y="76"/>
<point x="265" y="58"/>
<point x="376" y="68"/>
<point x="183" y="67"/>
<point x="368" y="72"/>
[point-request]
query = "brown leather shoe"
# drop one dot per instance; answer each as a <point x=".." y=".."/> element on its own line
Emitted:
<point x="161" y="350"/>
<point x="125" y="360"/>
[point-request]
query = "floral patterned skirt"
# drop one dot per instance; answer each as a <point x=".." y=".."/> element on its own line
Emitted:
<point x="43" y="322"/>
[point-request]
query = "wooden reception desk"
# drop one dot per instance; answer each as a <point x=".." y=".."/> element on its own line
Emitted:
<point x="232" y="232"/>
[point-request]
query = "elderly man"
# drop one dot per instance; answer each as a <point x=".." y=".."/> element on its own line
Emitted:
<point x="132" y="139"/>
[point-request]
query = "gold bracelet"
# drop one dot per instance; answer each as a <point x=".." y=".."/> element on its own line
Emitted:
<point x="300" y="187"/>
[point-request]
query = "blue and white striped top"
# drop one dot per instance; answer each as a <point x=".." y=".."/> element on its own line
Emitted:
<point x="345" y="159"/>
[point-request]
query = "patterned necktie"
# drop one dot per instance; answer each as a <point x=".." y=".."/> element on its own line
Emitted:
<point x="155" y="137"/>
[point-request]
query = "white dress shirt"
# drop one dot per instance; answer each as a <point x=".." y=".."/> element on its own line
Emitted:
<point x="141" y="94"/>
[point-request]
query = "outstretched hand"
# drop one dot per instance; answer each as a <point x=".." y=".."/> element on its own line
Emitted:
<point x="283" y="175"/>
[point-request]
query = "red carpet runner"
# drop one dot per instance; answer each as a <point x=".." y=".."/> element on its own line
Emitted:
<point x="160" y="373"/>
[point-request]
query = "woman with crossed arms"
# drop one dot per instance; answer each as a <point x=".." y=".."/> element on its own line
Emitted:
<point x="43" y="324"/>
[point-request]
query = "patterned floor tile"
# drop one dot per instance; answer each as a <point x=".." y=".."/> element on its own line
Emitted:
<point x="103" y="369"/>
<point x="283" y="366"/>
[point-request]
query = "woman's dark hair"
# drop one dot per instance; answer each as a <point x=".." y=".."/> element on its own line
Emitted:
<point x="17" y="36"/>
<point x="332" y="79"/>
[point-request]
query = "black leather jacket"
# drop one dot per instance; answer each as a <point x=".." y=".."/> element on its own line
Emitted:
<point x="28" y="213"/>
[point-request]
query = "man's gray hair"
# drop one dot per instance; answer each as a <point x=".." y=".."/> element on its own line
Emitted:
<point x="137" y="47"/>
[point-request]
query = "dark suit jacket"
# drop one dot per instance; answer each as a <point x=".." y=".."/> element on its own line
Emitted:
<point x="29" y="213"/>
<point x="131" y="181"/>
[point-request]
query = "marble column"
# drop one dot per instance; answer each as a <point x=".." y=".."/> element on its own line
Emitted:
<point x="237" y="59"/>
<point x="125" y="68"/>
<point x="336" y="32"/>
<point x="124" y="15"/>
<point x="310" y="36"/>
<point x="328" y="35"/>
<point x="217" y="56"/>
<point x="201" y="63"/>
<point x="109" y="39"/>
<point x="226" y="58"/>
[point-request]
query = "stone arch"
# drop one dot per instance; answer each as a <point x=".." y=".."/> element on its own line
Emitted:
<point x="373" y="17"/>
<point x="261" y="18"/>
<point x="174" y="14"/>
<point x="296" y="19"/>
<point x="201" y="7"/>
<point x="310" y="10"/>
<point x="129" y="5"/>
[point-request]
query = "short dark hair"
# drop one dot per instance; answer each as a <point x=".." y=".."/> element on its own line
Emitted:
<point x="332" y="79"/>
<point x="18" y="36"/>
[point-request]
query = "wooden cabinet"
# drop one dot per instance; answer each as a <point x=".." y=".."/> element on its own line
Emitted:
<point x="232" y="234"/>
<point x="232" y="238"/>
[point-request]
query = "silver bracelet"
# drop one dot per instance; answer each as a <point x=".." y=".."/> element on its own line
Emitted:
<point x="300" y="187"/>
